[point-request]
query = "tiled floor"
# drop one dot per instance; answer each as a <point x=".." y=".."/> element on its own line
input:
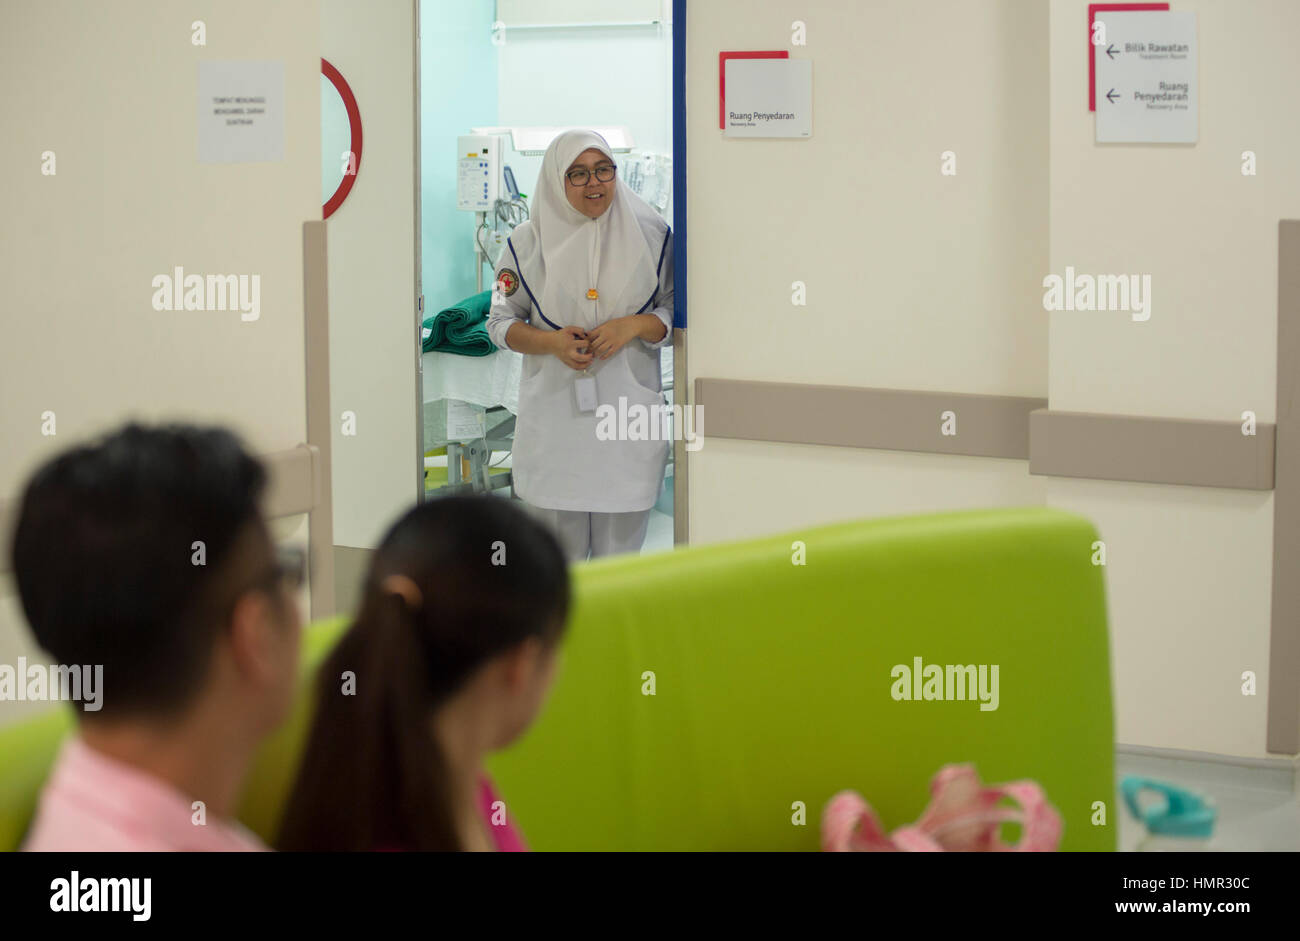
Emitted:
<point x="1258" y="807"/>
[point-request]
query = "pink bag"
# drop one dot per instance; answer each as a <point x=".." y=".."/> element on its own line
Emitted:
<point x="963" y="816"/>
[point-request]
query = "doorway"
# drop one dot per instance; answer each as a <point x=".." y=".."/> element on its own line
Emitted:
<point x="496" y="82"/>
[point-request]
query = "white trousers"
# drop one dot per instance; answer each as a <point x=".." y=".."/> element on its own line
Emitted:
<point x="583" y="534"/>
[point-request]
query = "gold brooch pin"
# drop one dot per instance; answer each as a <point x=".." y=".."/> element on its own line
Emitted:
<point x="592" y="295"/>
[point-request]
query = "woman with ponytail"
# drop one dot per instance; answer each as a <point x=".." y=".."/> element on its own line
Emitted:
<point x="450" y="658"/>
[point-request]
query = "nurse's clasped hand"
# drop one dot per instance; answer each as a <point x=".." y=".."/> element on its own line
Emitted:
<point x="569" y="345"/>
<point x="613" y="335"/>
<point x="576" y="348"/>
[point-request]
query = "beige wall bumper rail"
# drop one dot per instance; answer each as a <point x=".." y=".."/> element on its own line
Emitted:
<point x="1074" y="444"/>
<point x="883" y="419"/>
<point x="1150" y="450"/>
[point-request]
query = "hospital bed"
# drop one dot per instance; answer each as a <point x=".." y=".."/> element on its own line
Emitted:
<point x="469" y="407"/>
<point x="456" y="389"/>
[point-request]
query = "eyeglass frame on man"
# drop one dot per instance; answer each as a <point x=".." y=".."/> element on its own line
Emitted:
<point x="594" y="172"/>
<point x="288" y="569"/>
<point x="290" y="566"/>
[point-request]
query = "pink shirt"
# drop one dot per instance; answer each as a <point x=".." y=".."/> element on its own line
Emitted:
<point x="507" y="838"/>
<point x="94" y="803"/>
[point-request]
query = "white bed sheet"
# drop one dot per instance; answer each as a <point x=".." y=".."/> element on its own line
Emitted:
<point x="487" y="381"/>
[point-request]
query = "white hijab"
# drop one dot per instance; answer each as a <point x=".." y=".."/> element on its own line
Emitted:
<point x="562" y="253"/>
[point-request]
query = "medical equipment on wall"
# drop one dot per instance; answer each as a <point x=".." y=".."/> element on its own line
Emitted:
<point x="495" y="227"/>
<point x="650" y="176"/>
<point x="478" y="172"/>
<point x="480" y="175"/>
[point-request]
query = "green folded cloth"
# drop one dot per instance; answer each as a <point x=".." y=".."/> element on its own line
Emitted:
<point x="461" y="328"/>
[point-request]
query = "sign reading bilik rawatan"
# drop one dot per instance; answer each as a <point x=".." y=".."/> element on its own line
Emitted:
<point x="1146" y="78"/>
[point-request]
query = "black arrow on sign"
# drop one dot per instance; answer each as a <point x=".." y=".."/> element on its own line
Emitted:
<point x="1111" y="96"/>
<point x="1111" y="50"/>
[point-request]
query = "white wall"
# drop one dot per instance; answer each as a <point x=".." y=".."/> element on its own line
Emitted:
<point x="1189" y="569"/>
<point x="112" y="90"/>
<point x="918" y="281"/>
<point x="914" y="280"/>
<point x="372" y="274"/>
<point x="582" y="77"/>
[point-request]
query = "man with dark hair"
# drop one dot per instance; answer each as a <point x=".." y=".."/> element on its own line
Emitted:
<point x="146" y="553"/>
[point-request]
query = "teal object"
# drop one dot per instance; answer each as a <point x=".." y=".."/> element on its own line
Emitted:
<point x="461" y="328"/>
<point x="1184" y="813"/>
<point x="715" y="697"/>
<point x="664" y="502"/>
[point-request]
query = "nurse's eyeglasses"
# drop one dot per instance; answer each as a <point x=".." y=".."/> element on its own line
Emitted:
<point x="578" y="176"/>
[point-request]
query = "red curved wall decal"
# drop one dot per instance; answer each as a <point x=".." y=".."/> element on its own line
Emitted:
<point x="354" y="121"/>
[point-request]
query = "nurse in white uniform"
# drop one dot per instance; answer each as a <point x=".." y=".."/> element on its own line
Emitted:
<point x="584" y="289"/>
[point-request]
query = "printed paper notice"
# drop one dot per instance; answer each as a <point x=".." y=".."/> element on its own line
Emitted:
<point x="465" y="421"/>
<point x="241" y="112"/>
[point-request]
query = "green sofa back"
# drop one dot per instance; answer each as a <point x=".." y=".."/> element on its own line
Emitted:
<point x="772" y="688"/>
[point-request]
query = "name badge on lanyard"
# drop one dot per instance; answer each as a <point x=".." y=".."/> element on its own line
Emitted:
<point x="584" y="388"/>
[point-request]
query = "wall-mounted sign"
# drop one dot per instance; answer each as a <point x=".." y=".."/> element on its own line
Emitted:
<point x="768" y="98"/>
<point x="1146" y="79"/>
<point x="722" y="75"/>
<point x="1093" y="10"/>
<point x="241" y="112"/>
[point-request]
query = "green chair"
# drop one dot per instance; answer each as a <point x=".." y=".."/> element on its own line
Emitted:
<point x="714" y="698"/>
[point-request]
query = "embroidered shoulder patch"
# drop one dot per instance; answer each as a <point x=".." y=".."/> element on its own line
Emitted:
<point x="508" y="280"/>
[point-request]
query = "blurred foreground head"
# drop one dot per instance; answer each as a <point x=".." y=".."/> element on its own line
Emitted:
<point x="451" y="656"/>
<point x="145" y="552"/>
